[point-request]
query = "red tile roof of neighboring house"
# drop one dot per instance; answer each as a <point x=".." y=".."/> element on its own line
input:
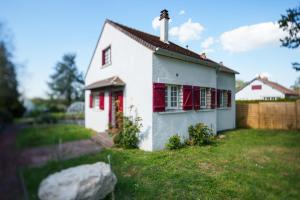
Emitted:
<point x="273" y="85"/>
<point x="277" y="86"/>
<point x="153" y="42"/>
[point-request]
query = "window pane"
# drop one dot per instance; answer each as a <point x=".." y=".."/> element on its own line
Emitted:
<point x="107" y="56"/>
<point x="174" y="96"/>
<point x="203" y="98"/>
<point x="166" y="96"/>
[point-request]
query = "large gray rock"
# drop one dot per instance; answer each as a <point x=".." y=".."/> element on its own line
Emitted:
<point x="91" y="182"/>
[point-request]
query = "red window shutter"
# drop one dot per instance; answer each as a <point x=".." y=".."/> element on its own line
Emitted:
<point x="218" y="98"/>
<point x="103" y="57"/>
<point x="213" y="98"/>
<point x="91" y="100"/>
<point x="159" y="97"/>
<point x="196" y="93"/>
<point x="101" y="100"/>
<point x="187" y="97"/>
<point x="228" y="98"/>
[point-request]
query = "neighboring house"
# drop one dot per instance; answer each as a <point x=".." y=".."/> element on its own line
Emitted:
<point x="169" y="87"/>
<point x="261" y="88"/>
<point x="29" y="106"/>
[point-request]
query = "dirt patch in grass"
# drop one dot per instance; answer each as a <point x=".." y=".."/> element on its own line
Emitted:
<point x="132" y="171"/>
<point x="267" y="154"/>
<point x="210" y="168"/>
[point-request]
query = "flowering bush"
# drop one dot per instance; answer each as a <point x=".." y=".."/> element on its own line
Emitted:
<point x="200" y="134"/>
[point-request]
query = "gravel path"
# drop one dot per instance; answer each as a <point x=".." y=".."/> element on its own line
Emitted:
<point x="11" y="159"/>
<point x="10" y="185"/>
<point x="40" y="155"/>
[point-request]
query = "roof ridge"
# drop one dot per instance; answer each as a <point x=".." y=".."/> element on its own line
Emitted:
<point x="170" y="42"/>
<point x="117" y="23"/>
<point x="278" y="85"/>
<point x="153" y="42"/>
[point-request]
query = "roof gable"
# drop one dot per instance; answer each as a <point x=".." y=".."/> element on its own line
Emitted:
<point x="273" y="85"/>
<point x="153" y="42"/>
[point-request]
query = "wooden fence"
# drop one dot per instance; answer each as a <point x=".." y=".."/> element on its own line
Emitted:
<point x="268" y="115"/>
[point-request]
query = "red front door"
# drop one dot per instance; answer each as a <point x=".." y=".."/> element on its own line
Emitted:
<point x="115" y="108"/>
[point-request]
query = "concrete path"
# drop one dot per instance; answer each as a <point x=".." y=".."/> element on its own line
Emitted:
<point x="10" y="185"/>
<point x="40" y="155"/>
<point x="103" y="139"/>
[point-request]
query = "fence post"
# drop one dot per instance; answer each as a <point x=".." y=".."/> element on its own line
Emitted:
<point x="259" y="113"/>
<point x="297" y="102"/>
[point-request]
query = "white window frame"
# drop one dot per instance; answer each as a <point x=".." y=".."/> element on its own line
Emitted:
<point x="168" y="97"/>
<point x="223" y="100"/>
<point x="107" y="56"/>
<point x="205" y="97"/>
<point x="96" y="100"/>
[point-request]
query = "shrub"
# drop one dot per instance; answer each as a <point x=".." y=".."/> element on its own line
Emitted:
<point x="174" y="142"/>
<point x="46" y="118"/>
<point x="200" y="134"/>
<point x="127" y="137"/>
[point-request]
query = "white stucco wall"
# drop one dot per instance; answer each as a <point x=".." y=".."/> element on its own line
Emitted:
<point x="138" y="67"/>
<point x="226" y="116"/>
<point x="266" y="91"/>
<point x="166" y="124"/>
<point x="132" y="62"/>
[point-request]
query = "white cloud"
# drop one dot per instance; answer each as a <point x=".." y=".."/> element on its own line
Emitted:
<point x="182" y="12"/>
<point x="187" y="31"/>
<point x="155" y="23"/>
<point x="207" y="43"/>
<point x="246" y="38"/>
<point x="208" y="50"/>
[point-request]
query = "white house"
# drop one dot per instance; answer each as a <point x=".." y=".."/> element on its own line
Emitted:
<point x="169" y="86"/>
<point x="260" y="88"/>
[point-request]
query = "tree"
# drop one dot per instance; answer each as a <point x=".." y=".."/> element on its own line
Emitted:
<point x="10" y="100"/>
<point x="291" y="24"/>
<point x="66" y="82"/>
<point x="296" y="84"/>
<point x="239" y="84"/>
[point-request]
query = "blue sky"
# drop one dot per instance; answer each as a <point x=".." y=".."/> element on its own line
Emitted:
<point x="242" y="34"/>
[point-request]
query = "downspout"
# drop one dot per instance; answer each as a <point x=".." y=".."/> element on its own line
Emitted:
<point x="216" y="96"/>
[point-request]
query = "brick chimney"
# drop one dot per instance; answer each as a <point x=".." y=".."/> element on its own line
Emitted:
<point x="164" y="26"/>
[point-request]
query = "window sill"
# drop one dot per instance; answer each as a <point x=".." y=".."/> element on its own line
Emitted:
<point x="173" y="112"/>
<point x="185" y="111"/>
<point x="106" y="65"/>
<point x="224" y="108"/>
<point x="97" y="109"/>
<point x="205" y="110"/>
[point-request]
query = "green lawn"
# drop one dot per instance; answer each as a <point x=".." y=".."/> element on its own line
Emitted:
<point x="39" y="135"/>
<point x="247" y="164"/>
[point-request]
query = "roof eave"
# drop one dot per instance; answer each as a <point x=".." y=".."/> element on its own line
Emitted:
<point x="179" y="56"/>
<point x="186" y="58"/>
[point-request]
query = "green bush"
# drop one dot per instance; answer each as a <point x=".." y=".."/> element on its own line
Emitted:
<point x="174" y="142"/>
<point x="200" y="134"/>
<point x="128" y="135"/>
<point x="46" y="118"/>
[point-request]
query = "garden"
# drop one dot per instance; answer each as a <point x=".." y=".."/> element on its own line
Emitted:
<point x="240" y="164"/>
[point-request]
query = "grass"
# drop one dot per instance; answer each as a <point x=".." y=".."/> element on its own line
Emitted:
<point x="39" y="135"/>
<point x="247" y="164"/>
